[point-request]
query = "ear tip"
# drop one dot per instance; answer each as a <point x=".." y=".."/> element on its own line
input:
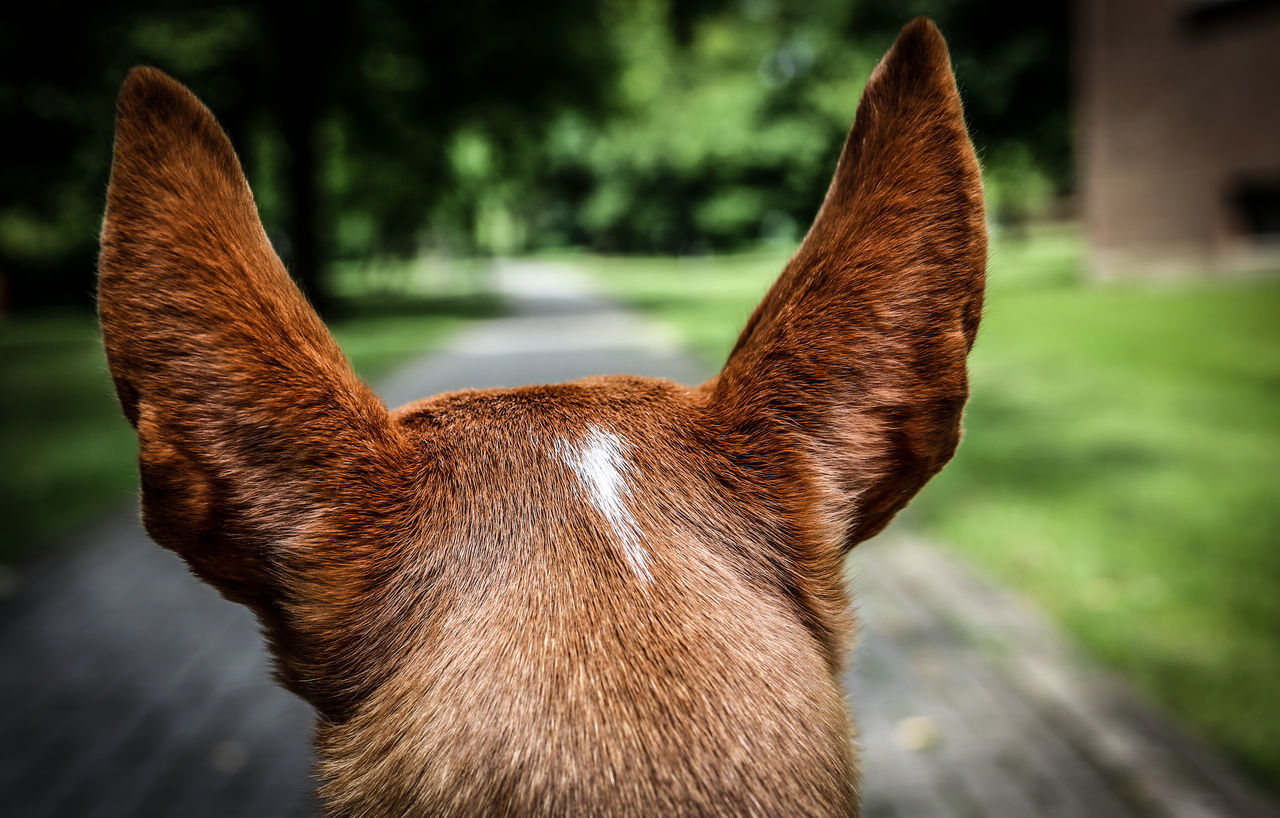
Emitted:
<point x="157" y="115"/>
<point x="150" y="97"/>
<point x="921" y="40"/>
<point x="920" y="50"/>
<point x="921" y="27"/>
<point x="143" y="75"/>
<point x="145" y="84"/>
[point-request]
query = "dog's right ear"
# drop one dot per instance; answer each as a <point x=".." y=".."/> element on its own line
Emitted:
<point x="252" y="428"/>
<point x="855" y="360"/>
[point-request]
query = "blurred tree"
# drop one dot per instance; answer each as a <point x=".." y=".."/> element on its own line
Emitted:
<point x="53" y="180"/>
<point x="374" y="127"/>
<point x="728" y="128"/>
<point x="732" y="115"/>
<point x="344" y="106"/>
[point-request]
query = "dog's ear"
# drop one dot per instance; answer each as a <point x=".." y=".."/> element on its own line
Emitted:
<point x="252" y="428"/>
<point x="856" y="356"/>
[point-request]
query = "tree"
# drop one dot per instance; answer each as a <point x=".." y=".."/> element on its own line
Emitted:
<point x="348" y="106"/>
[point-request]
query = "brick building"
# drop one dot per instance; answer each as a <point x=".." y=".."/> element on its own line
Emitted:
<point x="1179" y="104"/>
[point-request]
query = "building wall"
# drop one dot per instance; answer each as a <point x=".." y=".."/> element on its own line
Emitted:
<point x="1179" y="107"/>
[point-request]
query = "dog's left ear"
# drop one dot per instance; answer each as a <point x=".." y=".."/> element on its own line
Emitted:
<point x="256" y="439"/>
<point x="856" y="357"/>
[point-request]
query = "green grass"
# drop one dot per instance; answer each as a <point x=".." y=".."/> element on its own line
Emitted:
<point x="69" y="455"/>
<point x="1120" y="465"/>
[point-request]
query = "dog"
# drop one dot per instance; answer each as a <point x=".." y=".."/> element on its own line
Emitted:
<point x="615" y="596"/>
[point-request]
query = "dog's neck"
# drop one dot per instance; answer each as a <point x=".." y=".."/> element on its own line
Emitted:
<point x="593" y="605"/>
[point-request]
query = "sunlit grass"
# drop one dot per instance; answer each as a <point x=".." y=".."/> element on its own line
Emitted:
<point x="1121" y="463"/>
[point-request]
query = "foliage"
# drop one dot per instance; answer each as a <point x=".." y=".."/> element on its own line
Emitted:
<point x="381" y="127"/>
<point x="1118" y="463"/>
<point x="347" y="107"/>
<point x="728" y="137"/>
<point x="730" y="124"/>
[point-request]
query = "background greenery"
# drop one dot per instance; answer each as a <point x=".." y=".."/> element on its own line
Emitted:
<point x="382" y="128"/>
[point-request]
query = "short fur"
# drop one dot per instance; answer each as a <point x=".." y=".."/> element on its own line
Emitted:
<point x="432" y="579"/>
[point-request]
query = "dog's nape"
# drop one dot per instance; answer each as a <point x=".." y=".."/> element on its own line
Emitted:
<point x="686" y="663"/>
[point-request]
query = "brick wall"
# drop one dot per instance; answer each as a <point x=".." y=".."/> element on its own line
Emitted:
<point x="1179" y="112"/>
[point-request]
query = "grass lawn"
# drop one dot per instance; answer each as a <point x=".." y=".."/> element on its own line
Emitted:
<point x="1121" y="464"/>
<point x="68" y="453"/>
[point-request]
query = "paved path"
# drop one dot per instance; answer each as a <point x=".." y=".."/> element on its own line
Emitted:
<point x="971" y="704"/>
<point x="130" y="689"/>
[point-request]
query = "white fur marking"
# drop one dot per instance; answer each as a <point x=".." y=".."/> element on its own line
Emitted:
<point x="599" y="461"/>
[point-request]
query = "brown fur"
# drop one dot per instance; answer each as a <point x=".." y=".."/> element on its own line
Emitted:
<point x="432" y="580"/>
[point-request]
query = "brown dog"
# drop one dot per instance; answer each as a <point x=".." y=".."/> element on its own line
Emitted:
<point x="612" y="596"/>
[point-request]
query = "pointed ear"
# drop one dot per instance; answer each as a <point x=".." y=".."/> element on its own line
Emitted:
<point x="251" y="425"/>
<point x="856" y="357"/>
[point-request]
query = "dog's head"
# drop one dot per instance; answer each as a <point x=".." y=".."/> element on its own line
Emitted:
<point x="612" y="595"/>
